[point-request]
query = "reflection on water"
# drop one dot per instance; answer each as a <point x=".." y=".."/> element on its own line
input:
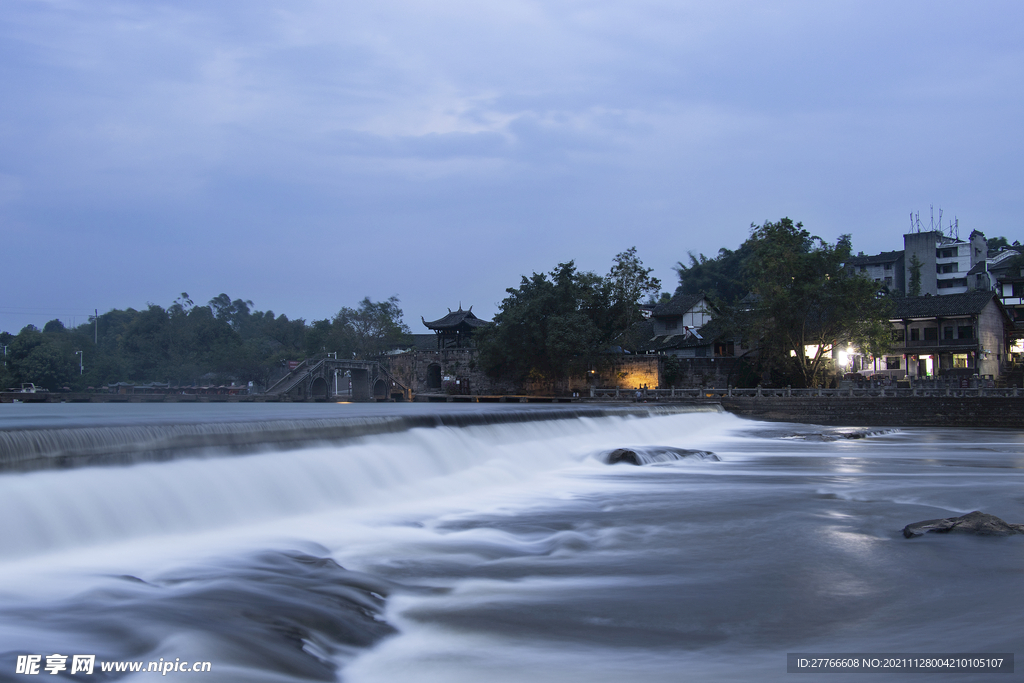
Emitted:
<point x="512" y="552"/>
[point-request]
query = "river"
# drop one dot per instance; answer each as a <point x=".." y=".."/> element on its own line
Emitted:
<point x="485" y="548"/>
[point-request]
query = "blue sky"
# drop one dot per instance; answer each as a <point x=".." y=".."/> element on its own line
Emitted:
<point x="307" y="154"/>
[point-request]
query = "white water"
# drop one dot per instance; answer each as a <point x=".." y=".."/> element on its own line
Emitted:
<point x="556" y="566"/>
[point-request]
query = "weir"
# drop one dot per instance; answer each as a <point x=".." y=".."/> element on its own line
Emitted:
<point x="82" y="446"/>
<point x="520" y="554"/>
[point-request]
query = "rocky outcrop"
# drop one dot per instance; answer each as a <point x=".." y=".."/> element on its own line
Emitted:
<point x="979" y="523"/>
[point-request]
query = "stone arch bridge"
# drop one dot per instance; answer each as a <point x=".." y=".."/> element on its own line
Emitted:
<point x="325" y="379"/>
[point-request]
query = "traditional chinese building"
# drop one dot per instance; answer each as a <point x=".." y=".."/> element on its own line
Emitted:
<point x="455" y="330"/>
<point x="952" y="335"/>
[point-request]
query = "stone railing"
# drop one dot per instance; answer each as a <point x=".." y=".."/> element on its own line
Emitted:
<point x="786" y="392"/>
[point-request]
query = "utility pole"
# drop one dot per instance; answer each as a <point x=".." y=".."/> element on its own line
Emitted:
<point x="81" y="366"/>
<point x="96" y="320"/>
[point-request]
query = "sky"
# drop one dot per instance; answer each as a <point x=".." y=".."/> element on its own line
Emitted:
<point x="307" y="154"/>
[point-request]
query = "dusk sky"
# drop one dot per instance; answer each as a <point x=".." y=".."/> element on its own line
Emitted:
<point x="306" y="154"/>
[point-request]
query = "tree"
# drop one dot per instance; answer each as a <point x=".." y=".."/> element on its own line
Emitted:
<point x="369" y="331"/>
<point x="550" y="328"/>
<point x="181" y="344"/>
<point x="914" y="288"/>
<point x="805" y="301"/>
<point x="43" y="358"/>
<point x="721" y="277"/>
<point x="996" y="242"/>
<point x="630" y="284"/>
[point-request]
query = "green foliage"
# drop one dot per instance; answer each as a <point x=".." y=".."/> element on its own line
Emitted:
<point x="630" y="284"/>
<point x="550" y="328"/>
<point x="804" y="297"/>
<point x="721" y="278"/>
<point x="671" y="370"/>
<point x="369" y="331"/>
<point x="914" y="287"/>
<point x="45" y="358"/>
<point x="183" y="344"/>
<point x="996" y="242"/>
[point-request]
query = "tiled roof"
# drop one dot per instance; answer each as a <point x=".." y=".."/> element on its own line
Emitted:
<point x="876" y="259"/>
<point x="455" y="318"/>
<point x="970" y="303"/>
<point x="424" y="342"/>
<point x="678" y="304"/>
<point x="638" y="336"/>
<point x="710" y="333"/>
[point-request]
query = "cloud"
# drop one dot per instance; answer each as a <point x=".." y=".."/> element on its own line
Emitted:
<point x="485" y="139"/>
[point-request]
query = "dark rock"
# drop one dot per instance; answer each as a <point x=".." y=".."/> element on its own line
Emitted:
<point x="980" y="523"/>
<point x="649" y="455"/>
<point x="623" y="455"/>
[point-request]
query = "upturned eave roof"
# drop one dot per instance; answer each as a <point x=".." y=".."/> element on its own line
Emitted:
<point x="456" y="318"/>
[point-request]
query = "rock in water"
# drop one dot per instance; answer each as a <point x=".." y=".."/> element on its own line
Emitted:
<point x="650" y="455"/>
<point x="980" y="523"/>
<point x="623" y="455"/>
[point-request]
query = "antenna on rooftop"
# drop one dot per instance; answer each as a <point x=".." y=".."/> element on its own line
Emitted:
<point x="915" y="221"/>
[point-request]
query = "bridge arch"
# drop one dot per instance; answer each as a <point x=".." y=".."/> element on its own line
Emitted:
<point x="319" y="389"/>
<point x="380" y="389"/>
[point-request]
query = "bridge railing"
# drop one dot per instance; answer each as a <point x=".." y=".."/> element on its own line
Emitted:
<point x="386" y="375"/>
<point x="288" y="382"/>
<point x="786" y="392"/>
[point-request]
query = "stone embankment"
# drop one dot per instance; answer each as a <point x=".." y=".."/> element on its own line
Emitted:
<point x="889" y="411"/>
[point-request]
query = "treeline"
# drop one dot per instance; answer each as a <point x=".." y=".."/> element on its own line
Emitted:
<point x="784" y="295"/>
<point x="781" y="291"/>
<point x="188" y="344"/>
<point x="787" y="295"/>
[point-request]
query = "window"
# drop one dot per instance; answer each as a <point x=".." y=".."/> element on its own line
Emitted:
<point x="888" y="266"/>
<point x="931" y="333"/>
<point x="892" y="362"/>
<point x="863" y="269"/>
<point x="1018" y="288"/>
<point x="915" y="334"/>
<point x="947" y="268"/>
<point x="888" y="281"/>
<point x="899" y="335"/>
<point x="960" y="360"/>
<point x="671" y="325"/>
<point x="947" y="332"/>
<point x="965" y="332"/>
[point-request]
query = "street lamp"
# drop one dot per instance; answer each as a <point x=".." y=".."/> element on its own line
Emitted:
<point x="81" y="367"/>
